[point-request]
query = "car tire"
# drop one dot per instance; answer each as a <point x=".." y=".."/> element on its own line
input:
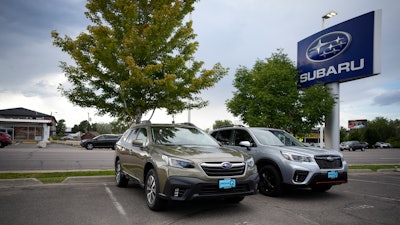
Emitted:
<point x="321" y="188"/>
<point x="120" y="178"/>
<point x="89" y="146"/>
<point x="270" y="181"/>
<point x="152" y="190"/>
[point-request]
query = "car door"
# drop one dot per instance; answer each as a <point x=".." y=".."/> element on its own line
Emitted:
<point x="99" y="142"/>
<point x="137" y="153"/>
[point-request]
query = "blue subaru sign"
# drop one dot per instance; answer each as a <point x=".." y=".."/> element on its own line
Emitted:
<point x="345" y="52"/>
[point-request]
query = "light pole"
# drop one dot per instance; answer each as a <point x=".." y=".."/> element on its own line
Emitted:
<point x="332" y="123"/>
<point x="327" y="16"/>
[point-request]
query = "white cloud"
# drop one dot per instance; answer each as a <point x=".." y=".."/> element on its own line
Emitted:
<point x="233" y="32"/>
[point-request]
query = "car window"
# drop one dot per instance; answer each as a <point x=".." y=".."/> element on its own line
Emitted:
<point x="224" y="137"/>
<point x="141" y="134"/>
<point x="137" y="134"/>
<point x="180" y="136"/>
<point x="242" y="135"/>
<point x="286" y="138"/>
<point x="265" y="137"/>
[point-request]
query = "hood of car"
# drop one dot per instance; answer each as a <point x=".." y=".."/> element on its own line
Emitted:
<point x="310" y="150"/>
<point x="202" y="153"/>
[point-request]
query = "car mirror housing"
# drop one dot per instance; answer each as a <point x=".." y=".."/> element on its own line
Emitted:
<point x="139" y="143"/>
<point x="246" y="144"/>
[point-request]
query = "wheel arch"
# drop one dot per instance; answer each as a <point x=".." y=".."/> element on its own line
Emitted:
<point x="263" y="162"/>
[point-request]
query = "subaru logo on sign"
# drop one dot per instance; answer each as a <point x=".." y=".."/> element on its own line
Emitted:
<point x="226" y="165"/>
<point x="328" y="46"/>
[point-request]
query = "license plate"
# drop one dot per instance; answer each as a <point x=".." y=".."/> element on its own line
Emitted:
<point x="227" y="183"/>
<point x="333" y="174"/>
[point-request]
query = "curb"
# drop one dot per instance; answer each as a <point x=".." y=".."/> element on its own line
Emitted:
<point x="89" y="179"/>
<point x="69" y="180"/>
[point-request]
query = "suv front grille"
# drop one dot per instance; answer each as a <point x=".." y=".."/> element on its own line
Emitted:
<point x="328" y="161"/>
<point x="215" y="169"/>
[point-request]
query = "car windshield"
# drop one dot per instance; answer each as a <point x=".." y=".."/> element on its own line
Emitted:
<point x="276" y="137"/>
<point x="168" y="135"/>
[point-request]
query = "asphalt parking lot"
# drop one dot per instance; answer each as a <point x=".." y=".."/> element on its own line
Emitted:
<point x="368" y="197"/>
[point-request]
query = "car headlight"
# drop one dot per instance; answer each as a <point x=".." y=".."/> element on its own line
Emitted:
<point x="177" y="162"/>
<point x="296" y="157"/>
<point x="250" y="162"/>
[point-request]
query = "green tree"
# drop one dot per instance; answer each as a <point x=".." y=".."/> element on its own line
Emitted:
<point x="222" y="123"/>
<point x="61" y="127"/>
<point x="268" y="96"/>
<point x="103" y="128"/>
<point x="136" y="57"/>
<point x="343" y="134"/>
<point x="119" y="126"/>
<point x="84" y="126"/>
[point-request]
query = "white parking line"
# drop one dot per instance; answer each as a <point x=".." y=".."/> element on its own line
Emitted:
<point x="374" y="182"/>
<point x="118" y="206"/>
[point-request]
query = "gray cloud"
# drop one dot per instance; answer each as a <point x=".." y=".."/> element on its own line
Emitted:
<point x="387" y="98"/>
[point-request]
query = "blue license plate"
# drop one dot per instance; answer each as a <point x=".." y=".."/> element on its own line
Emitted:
<point x="227" y="183"/>
<point x="333" y="174"/>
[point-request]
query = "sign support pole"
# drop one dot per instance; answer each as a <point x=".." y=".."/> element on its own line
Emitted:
<point x="332" y="124"/>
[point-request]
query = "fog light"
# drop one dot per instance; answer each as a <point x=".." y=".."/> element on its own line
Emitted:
<point x="300" y="176"/>
<point x="176" y="192"/>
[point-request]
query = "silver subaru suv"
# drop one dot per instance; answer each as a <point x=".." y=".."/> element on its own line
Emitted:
<point x="181" y="162"/>
<point x="283" y="161"/>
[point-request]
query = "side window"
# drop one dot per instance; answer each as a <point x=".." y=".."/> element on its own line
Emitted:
<point x="131" y="136"/>
<point x="224" y="137"/>
<point x="141" y="134"/>
<point x="242" y="135"/>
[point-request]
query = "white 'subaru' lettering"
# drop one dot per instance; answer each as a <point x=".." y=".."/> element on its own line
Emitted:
<point x="332" y="70"/>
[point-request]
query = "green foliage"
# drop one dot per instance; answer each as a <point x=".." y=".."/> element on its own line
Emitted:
<point x="379" y="129"/>
<point x="136" y="56"/>
<point x="268" y="96"/>
<point x="222" y="123"/>
<point x="61" y="127"/>
<point x="55" y="177"/>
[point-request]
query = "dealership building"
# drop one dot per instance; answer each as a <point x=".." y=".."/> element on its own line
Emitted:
<point x="25" y="125"/>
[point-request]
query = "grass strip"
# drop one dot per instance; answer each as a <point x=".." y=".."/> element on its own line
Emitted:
<point x="374" y="167"/>
<point x="54" y="177"/>
<point x="58" y="177"/>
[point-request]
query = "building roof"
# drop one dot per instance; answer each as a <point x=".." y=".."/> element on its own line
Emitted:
<point x="22" y="112"/>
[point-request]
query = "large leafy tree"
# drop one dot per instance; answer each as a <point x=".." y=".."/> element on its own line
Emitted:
<point x="137" y="56"/>
<point x="61" y="127"/>
<point x="267" y="95"/>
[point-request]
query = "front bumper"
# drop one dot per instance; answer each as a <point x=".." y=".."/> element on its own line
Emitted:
<point x="180" y="188"/>
<point x="323" y="178"/>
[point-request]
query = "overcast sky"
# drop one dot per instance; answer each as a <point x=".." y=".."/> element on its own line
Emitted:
<point x="233" y="32"/>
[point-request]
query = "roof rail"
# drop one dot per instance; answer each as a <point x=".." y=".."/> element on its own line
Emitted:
<point x="188" y="124"/>
<point x="146" y="122"/>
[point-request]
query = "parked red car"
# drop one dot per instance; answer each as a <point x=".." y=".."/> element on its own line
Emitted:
<point x="5" y="139"/>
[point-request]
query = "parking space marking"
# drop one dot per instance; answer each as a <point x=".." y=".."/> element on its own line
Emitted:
<point x="117" y="205"/>
<point x="374" y="182"/>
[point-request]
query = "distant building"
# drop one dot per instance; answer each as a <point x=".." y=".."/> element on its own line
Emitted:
<point x="27" y="125"/>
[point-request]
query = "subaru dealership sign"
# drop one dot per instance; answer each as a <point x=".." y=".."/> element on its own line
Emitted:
<point x="345" y="52"/>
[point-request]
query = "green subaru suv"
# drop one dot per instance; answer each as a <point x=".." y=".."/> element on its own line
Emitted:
<point x="181" y="162"/>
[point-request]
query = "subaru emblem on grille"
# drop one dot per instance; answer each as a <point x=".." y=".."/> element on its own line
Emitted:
<point x="329" y="158"/>
<point x="226" y="165"/>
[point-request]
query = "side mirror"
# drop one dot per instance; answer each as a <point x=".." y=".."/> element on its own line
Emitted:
<point x="246" y="144"/>
<point x="138" y="143"/>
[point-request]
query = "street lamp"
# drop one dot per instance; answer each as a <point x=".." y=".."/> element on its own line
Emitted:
<point x="327" y="16"/>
